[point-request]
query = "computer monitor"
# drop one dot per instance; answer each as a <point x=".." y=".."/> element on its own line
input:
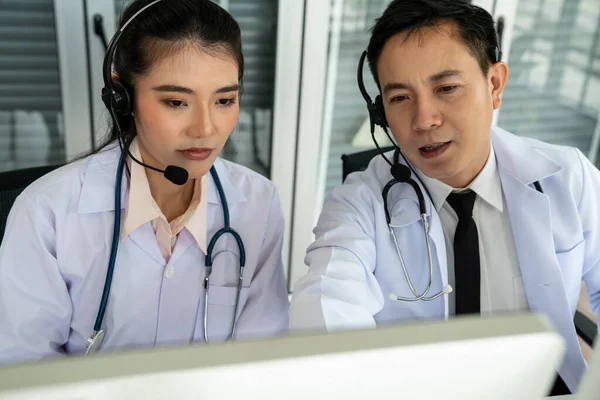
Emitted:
<point x="589" y="388"/>
<point x="502" y="357"/>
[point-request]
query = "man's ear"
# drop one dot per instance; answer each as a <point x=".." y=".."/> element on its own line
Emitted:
<point x="497" y="77"/>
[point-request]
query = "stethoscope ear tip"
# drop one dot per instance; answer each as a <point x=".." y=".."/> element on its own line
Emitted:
<point x="447" y="289"/>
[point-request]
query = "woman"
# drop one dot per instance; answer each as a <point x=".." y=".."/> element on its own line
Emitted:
<point x="174" y="100"/>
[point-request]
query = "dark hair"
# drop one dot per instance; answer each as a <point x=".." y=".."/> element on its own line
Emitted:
<point x="164" y="28"/>
<point x="474" y="24"/>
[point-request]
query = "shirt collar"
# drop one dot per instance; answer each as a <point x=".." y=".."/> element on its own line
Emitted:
<point x="486" y="184"/>
<point x="142" y="208"/>
<point x="196" y="224"/>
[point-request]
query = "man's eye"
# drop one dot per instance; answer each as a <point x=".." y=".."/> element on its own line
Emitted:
<point x="448" y="89"/>
<point x="398" y="99"/>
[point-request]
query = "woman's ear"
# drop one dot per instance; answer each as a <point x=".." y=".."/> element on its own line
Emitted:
<point x="114" y="76"/>
<point x="497" y="77"/>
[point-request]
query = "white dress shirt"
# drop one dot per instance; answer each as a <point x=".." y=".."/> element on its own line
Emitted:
<point x="501" y="283"/>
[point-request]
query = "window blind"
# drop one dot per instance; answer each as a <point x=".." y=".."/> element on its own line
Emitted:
<point x="30" y="96"/>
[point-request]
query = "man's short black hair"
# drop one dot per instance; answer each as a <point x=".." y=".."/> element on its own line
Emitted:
<point x="474" y="25"/>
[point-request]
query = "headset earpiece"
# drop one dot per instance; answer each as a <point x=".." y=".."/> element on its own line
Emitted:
<point x="376" y="111"/>
<point x="381" y="120"/>
<point x="119" y="99"/>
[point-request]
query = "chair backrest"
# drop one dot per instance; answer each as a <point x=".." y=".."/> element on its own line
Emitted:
<point x="12" y="183"/>
<point x="359" y="161"/>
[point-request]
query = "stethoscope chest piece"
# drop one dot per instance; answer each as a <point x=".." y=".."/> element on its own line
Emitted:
<point x="94" y="342"/>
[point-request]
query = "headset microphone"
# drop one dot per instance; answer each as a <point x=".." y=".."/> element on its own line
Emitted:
<point x="176" y="175"/>
<point x="173" y="173"/>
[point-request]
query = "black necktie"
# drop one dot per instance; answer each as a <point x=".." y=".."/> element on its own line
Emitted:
<point x="467" y="282"/>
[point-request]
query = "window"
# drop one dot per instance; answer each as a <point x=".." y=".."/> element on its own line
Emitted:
<point x="553" y="90"/>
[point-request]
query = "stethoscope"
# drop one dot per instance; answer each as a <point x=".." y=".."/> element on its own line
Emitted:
<point x="95" y="340"/>
<point x="402" y="173"/>
<point x="118" y="99"/>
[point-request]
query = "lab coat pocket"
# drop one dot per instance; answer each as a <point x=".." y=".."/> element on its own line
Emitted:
<point x="404" y="213"/>
<point x="221" y="309"/>
<point x="572" y="256"/>
<point x="571" y="264"/>
<point x="226" y="262"/>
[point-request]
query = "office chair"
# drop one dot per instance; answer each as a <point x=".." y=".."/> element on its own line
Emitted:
<point x="585" y="327"/>
<point x="12" y="183"/>
<point x="359" y="161"/>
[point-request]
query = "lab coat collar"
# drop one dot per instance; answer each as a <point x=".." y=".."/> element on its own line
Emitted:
<point x="515" y="156"/>
<point x="98" y="186"/>
<point x="520" y="158"/>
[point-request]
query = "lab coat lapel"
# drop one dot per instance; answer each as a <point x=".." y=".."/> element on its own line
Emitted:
<point x="145" y="238"/>
<point x="529" y="213"/>
<point x="530" y="218"/>
<point x="405" y="217"/>
<point x="519" y="166"/>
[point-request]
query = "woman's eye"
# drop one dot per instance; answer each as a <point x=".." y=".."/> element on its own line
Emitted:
<point x="175" y="103"/>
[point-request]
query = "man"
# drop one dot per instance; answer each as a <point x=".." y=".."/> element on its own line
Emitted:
<point x="513" y="222"/>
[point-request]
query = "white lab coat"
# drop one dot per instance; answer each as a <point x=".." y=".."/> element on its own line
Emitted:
<point x="54" y="257"/>
<point x="354" y="265"/>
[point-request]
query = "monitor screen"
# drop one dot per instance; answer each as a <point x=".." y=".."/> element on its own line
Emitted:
<point x="502" y="357"/>
<point x="589" y="388"/>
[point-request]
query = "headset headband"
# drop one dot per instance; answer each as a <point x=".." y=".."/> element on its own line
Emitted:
<point x="112" y="47"/>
